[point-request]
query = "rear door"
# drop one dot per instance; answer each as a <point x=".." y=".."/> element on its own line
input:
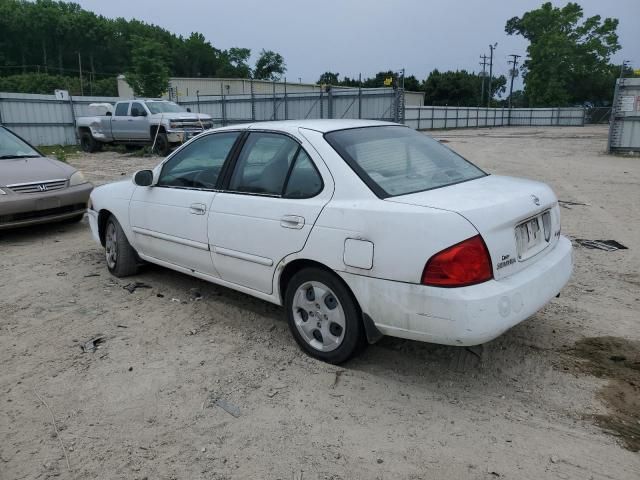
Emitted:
<point x="169" y="219"/>
<point x="138" y="124"/>
<point x="119" y="121"/>
<point x="271" y="200"/>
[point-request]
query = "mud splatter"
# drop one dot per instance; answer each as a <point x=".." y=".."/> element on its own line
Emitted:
<point x="617" y="360"/>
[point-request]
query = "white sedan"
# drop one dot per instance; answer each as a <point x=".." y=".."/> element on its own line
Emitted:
<point x="358" y="228"/>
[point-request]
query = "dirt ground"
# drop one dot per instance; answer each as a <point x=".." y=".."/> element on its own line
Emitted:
<point x="545" y="400"/>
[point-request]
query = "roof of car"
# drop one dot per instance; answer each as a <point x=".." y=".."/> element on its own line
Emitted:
<point x="322" y="125"/>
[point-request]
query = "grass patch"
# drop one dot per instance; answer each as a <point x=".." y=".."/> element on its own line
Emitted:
<point x="60" y="152"/>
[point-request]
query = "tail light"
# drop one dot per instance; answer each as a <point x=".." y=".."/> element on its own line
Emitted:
<point x="463" y="264"/>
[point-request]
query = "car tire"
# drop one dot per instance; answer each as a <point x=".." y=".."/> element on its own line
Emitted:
<point x="162" y="147"/>
<point x="323" y="316"/>
<point x="121" y="258"/>
<point x="88" y="143"/>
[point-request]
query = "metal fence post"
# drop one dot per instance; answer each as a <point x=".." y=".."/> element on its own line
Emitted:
<point x="286" y="106"/>
<point x="198" y="99"/>
<point x="253" y="101"/>
<point x="359" y="101"/>
<point x="275" y="106"/>
<point x="321" y="103"/>
<point x="329" y="102"/>
<point x="446" y="114"/>
<point x="432" y="115"/>
<point x="457" y="108"/>
<point x="0" y="110"/>
<point x="530" y="117"/>
<point x="419" y="115"/>
<point x="477" y="117"/>
<point x="73" y="118"/>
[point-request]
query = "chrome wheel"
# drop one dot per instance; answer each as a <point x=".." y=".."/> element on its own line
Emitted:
<point x="111" y="245"/>
<point x="319" y="316"/>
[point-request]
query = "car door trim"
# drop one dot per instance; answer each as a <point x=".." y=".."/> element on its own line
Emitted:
<point x="170" y="238"/>
<point x="267" y="262"/>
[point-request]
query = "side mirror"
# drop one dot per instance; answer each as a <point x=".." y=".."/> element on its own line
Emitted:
<point x="188" y="110"/>
<point x="143" y="113"/>
<point x="134" y="113"/>
<point x="143" y="178"/>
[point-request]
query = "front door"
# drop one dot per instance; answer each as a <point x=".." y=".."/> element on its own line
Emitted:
<point x="169" y="219"/>
<point x="120" y="121"/>
<point x="266" y="212"/>
<point x="138" y="123"/>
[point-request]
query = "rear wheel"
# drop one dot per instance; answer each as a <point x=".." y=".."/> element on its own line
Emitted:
<point x="121" y="257"/>
<point x="323" y="316"/>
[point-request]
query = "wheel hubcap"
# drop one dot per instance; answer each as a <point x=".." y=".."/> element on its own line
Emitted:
<point x="318" y="316"/>
<point x="111" y="245"/>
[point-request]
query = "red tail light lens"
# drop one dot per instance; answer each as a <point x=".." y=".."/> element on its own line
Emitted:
<point x="463" y="264"/>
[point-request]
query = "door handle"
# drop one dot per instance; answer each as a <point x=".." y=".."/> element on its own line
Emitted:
<point x="292" y="221"/>
<point x="197" y="208"/>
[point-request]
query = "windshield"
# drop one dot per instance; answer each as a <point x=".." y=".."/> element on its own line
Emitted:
<point x="164" y="107"/>
<point x="12" y="147"/>
<point x="398" y="160"/>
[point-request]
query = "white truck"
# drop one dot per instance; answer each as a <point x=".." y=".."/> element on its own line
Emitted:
<point x="139" y="122"/>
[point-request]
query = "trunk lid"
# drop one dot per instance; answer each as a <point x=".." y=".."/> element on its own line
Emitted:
<point x="518" y="219"/>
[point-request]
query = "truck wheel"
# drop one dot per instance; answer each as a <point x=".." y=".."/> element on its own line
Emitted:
<point x="88" y="143"/>
<point x="162" y="145"/>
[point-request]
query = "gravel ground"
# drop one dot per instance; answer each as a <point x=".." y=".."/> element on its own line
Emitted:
<point x="535" y="403"/>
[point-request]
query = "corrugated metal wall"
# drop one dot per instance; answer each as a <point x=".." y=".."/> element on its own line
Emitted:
<point x="45" y="120"/>
<point x="428" y="118"/>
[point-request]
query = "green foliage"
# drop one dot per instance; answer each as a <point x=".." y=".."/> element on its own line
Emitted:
<point x="329" y="78"/>
<point x="568" y="58"/>
<point x="269" y="66"/>
<point x="459" y="88"/>
<point x="45" y="84"/>
<point x="48" y="38"/>
<point x="149" y="76"/>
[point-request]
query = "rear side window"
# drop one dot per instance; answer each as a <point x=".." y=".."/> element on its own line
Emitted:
<point x="304" y="180"/>
<point x="263" y="164"/>
<point x="122" y="109"/>
<point x="398" y="160"/>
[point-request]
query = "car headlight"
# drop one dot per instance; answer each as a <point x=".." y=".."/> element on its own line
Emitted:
<point x="77" y="179"/>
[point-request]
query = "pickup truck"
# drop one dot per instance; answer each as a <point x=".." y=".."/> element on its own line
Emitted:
<point x="160" y="123"/>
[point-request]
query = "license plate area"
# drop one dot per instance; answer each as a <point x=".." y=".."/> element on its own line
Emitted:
<point x="533" y="235"/>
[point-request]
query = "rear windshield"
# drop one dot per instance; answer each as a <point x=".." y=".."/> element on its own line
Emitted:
<point x="398" y="160"/>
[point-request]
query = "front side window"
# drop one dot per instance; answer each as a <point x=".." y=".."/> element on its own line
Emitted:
<point x="198" y="164"/>
<point x="163" y="106"/>
<point x="137" y="109"/>
<point x="263" y="164"/>
<point x="122" y="109"/>
<point x="398" y="160"/>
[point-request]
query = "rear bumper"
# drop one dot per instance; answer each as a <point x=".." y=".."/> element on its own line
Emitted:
<point x="21" y="210"/>
<point x="468" y="315"/>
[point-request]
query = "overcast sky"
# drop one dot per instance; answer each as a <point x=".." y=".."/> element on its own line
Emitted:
<point x="353" y="36"/>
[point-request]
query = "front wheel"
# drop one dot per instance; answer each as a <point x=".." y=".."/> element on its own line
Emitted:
<point x="162" y="146"/>
<point x="121" y="258"/>
<point x="323" y="316"/>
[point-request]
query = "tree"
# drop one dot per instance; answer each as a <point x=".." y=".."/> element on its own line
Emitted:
<point x="149" y="76"/>
<point x="459" y="88"/>
<point x="269" y="66"/>
<point x="568" y="59"/>
<point x="328" y="78"/>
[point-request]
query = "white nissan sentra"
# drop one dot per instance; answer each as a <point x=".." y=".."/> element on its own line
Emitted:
<point x="358" y="228"/>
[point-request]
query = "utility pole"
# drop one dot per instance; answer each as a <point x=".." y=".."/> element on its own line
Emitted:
<point x="492" y="48"/>
<point x="484" y="74"/>
<point x="514" y="72"/>
<point x="80" y="73"/>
